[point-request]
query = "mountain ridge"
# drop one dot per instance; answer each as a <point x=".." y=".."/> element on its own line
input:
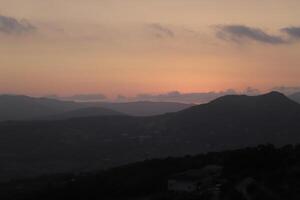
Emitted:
<point x="106" y="141"/>
<point x="21" y="107"/>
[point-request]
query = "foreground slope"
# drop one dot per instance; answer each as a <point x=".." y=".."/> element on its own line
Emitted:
<point x="96" y="142"/>
<point x="263" y="172"/>
<point x="84" y="112"/>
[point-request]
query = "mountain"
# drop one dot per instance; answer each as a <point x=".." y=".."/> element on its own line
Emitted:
<point x="143" y="108"/>
<point x="295" y="97"/>
<point x="84" y="112"/>
<point x="242" y="109"/>
<point x="229" y="122"/>
<point x="237" y="120"/>
<point x="18" y="107"/>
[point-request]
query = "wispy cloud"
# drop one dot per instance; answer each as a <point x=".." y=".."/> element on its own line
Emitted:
<point x="161" y="31"/>
<point x="239" y="33"/>
<point x="10" y="25"/>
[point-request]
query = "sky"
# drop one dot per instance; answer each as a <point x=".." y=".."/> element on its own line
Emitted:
<point x="132" y="47"/>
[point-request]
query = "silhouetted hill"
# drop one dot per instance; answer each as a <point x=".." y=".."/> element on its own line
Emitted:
<point x="248" y="109"/>
<point x="17" y="107"/>
<point x="295" y="97"/>
<point x="244" y="120"/>
<point x="98" y="142"/>
<point x="84" y="112"/>
<point x="273" y="101"/>
<point x="143" y="108"/>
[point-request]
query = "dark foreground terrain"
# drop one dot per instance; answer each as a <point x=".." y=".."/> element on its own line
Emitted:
<point x="262" y="172"/>
<point x="33" y="148"/>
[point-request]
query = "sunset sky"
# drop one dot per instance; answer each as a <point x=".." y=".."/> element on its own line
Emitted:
<point x="130" y="47"/>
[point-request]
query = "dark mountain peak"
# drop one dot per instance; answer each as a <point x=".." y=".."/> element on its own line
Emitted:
<point x="274" y="94"/>
<point x="274" y="102"/>
<point x="271" y="97"/>
<point x="275" y="98"/>
<point x="229" y="98"/>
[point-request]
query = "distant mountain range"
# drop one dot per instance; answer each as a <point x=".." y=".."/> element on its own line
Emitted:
<point x="142" y="108"/>
<point x="234" y="121"/>
<point x="17" y="107"/>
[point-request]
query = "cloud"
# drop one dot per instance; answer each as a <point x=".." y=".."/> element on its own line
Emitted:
<point x="239" y="33"/>
<point x="9" y="25"/>
<point x="161" y="31"/>
<point x="292" y="31"/>
<point x="175" y="96"/>
<point x="197" y="97"/>
<point x="251" y="91"/>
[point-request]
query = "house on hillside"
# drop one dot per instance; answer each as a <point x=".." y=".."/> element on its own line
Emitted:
<point x="196" y="180"/>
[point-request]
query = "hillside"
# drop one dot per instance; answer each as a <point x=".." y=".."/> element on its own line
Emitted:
<point x="84" y="112"/>
<point x="263" y="172"/>
<point x="18" y="107"/>
<point x="100" y="142"/>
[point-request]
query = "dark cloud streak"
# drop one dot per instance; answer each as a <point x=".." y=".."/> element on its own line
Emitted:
<point x="161" y="31"/>
<point x="12" y="26"/>
<point x="292" y="31"/>
<point x="239" y="33"/>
